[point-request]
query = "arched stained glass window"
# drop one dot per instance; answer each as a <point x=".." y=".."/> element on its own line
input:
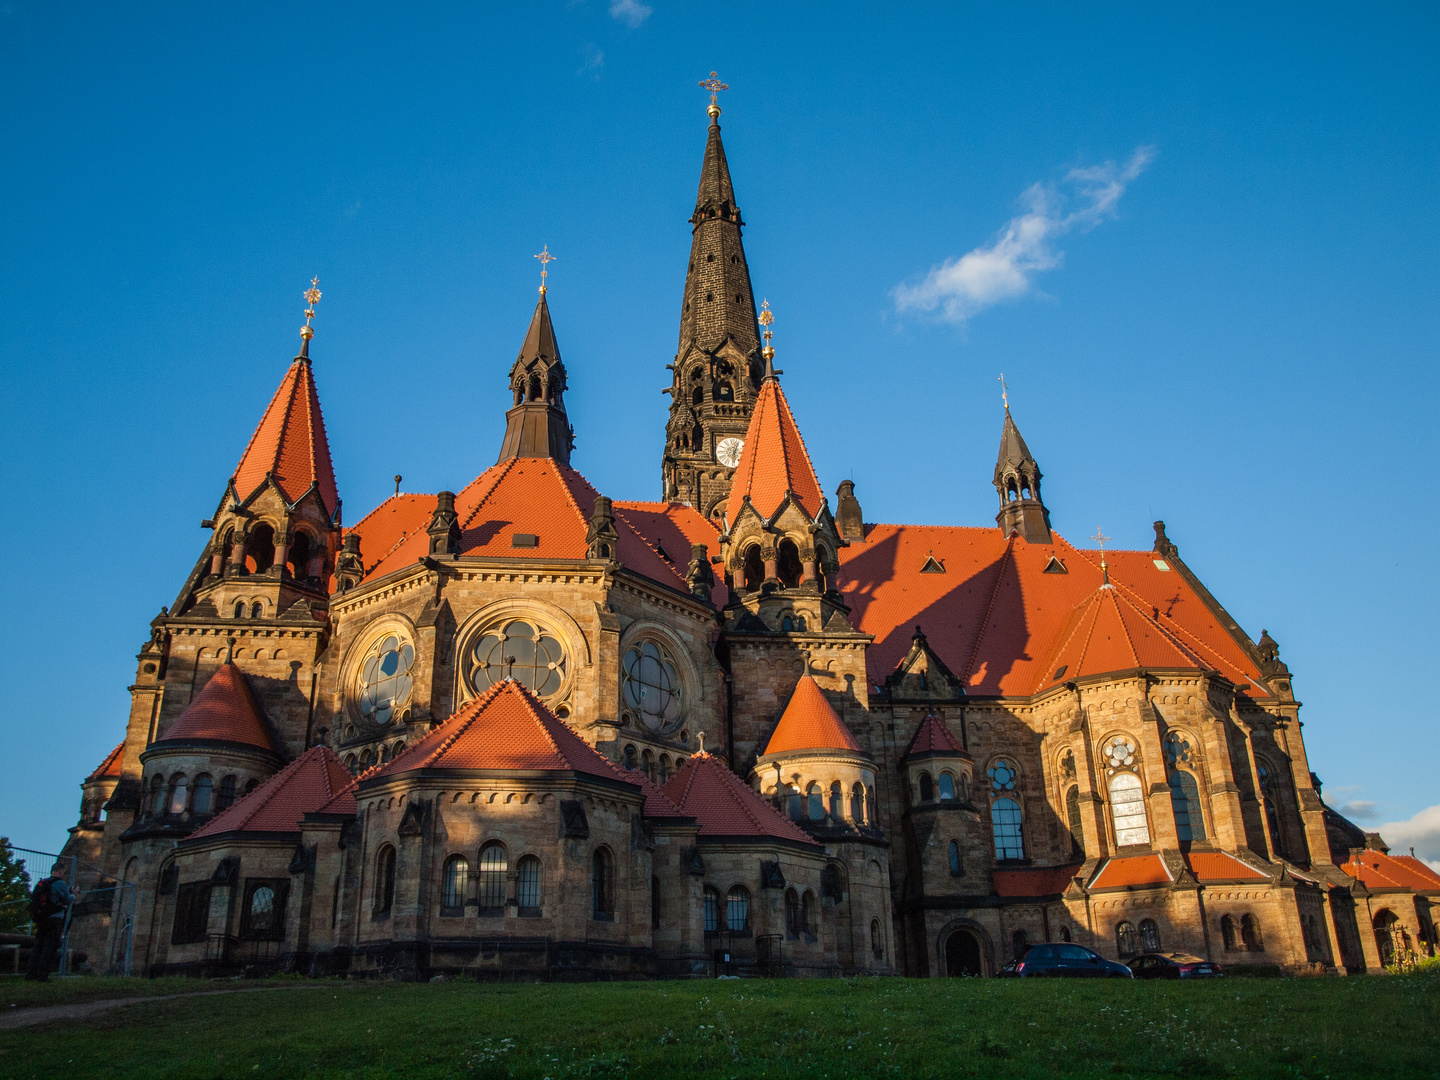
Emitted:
<point x="1005" y="821"/>
<point x="1185" y="799"/>
<point x="1002" y="776"/>
<point x="1127" y="809"/>
<point x="712" y="909"/>
<point x="527" y="886"/>
<point x="384" y="880"/>
<point x="524" y="651"/>
<point x="796" y="805"/>
<point x="385" y="679"/>
<point x="927" y="787"/>
<point x="955" y="864"/>
<point x="602" y="885"/>
<point x="1127" y="941"/>
<point x="857" y="804"/>
<point x="947" y="786"/>
<point x="652" y="685"/>
<point x="816" y="800"/>
<point x="1250" y="933"/>
<point x="1229" y="934"/>
<point x="494" y="865"/>
<point x="877" y="940"/>
<point x="202" y="800"/>
<point x="737" y="908"/>
<point x="837" y="801"/>
<point x="1072" y="814"/>
<point x="179" y="794"/>
<point x="262" y="910"/>
<point x="808" y="915"/>
<point x="1149" y="935"/>
<point x="456" y="881"/>
<point x="227" y="794"/>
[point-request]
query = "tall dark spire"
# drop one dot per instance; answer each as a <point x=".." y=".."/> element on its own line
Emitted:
<point x="537" y="426"/>
<point x="718" y="365"/>
<point x="1017" y="479"/>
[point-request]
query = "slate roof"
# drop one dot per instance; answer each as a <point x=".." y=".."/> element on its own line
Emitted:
<point x="997" y="619"/>
<point x="774" y="460"/>
<point x="109" y="769"/>
<point x="810" y="723"/>
<point x="505" y="728"/>
<point x="933" y="737"/>
<point x="1131" y="870"/>
<point x="1379" y="870"/>
<point x="705" y="789"/>
<point x="1218" y="866"/>
<point x="290" y="443"/>
<point x="535" y="496"/>
<point x="225" y="710"/>
<point x="305" y="785"/>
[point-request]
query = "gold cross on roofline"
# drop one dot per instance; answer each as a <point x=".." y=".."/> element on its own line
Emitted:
<point x="714" y="85"/>
<point x="1004" y="394"/>
<point x="544" y="257"/>
<point x="1101" y="539"/>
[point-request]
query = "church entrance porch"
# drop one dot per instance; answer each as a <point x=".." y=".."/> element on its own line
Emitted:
<point x="963" y="955"/>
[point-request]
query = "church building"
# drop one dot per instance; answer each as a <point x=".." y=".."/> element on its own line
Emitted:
<point x="526" y="730"/>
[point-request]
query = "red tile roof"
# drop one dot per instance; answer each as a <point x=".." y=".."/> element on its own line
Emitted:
<point x="1218" y="866"/>
<point x="996" y="618"/>
<point x="705" y="789"/>
<point x="657" y="803"/>
<point x="774" y="460"/>
<point x="225" y="710"/>
<point x="1037" y="881"/>
<point x="290" y="443"/>
<point x="1131" y="870"/>
<point x="1379" y="870"/>
<point x="109" y="769"/>
<point x="674" y="527"/>
<point x="305" y="785"/>
<point x="535" y="496"/>
<point x="1107" y="632"/>
<point x="810" y="723"/>
<point x="505" y="728"/>
<point x="933" y="737"/>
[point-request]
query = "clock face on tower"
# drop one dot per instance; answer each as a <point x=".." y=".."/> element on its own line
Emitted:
<point x="727" y="452"/>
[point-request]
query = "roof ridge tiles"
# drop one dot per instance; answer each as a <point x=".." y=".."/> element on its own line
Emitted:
<point x="1005" y="560"/>
<point x="500" y="469"/>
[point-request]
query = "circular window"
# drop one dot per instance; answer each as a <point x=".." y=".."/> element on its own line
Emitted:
<point x="521" y="651"/>
<point x="652" y="685"/>
<point x="385" y="679"/>
<point x="1002" y="776"/>
<point x="1120" y="751"/>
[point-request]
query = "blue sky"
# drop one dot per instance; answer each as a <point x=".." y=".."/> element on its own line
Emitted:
<point x="1199" y="243"/>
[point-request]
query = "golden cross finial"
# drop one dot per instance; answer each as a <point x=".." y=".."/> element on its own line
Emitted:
<point x="544" y="257"/>
<point x="714" y="85"/>
<point x="312" y="297"/>
<point x="1101" y="539"/>
<point x="1005" y="395"/>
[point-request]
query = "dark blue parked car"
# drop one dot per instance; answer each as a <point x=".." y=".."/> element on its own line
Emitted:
<point x="1062" y="960"/>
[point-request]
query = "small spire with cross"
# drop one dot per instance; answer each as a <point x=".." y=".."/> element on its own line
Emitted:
<point x="1004" y="392"/>
<point x="312" y="297"/>
<point x="544" y="257"/>
<point x="714" y="85"/>
<point x="767" y="318"/>
<point x="1101" y="539"/>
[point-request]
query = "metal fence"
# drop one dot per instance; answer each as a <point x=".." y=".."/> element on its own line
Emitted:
<point x="113" y="895"/>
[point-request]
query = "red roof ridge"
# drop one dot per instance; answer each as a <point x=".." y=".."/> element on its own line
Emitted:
<point x="810" y="722"/>
<point x="738" y="794"/>
<point x="1124" y="629"/>
<point x="112" y="759"/>
<point x="932" y="726"/>
<point x="248" y="809"/>
<point x="499" y="469"/>
<point x="403" y="535"/>
<point x="619" y="521"/>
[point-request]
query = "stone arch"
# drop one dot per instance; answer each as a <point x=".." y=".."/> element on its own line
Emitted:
<point x="977" y="933"/>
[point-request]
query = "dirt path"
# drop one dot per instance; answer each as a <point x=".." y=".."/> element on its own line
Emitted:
<point x="18" y="1018"/>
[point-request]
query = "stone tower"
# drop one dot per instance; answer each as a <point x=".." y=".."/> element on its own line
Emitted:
<point x="1017" y="479"/>
<point x="537" y="426"/>
<point x="717" y="369"/>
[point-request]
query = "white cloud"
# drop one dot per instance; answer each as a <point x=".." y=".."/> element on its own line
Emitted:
<point x="631" y="12"/>
<point x="1005" y="268"/>
<point x="1422" y="832"/>
<point x="594" y="61"/>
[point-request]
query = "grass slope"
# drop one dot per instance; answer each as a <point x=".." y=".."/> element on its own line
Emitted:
<point x="1360" y="1027"/>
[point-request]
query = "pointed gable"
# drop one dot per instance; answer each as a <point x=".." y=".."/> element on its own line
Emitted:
<point x="933" y="737"/>
<point x="109" y="769"/>
<point x="308" y="783"/>
<point x="705" y="789"/>
<point x="506" y="729"/>
<point x="290" y="444"/>
<point x="225" y="710"/>
<point x="773" y="461"/>
<point x="810" y="723"/>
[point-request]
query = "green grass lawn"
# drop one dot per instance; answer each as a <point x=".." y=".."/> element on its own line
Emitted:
<point x="1381" y="1026"/>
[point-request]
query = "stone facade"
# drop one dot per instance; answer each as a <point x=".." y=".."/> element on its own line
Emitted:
<point x="1083" y="747"/>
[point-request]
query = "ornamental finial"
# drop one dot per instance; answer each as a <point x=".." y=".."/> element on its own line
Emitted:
<point x="1004" y="392"/>
<point x="1101" y="539"/>
<point x="714" y="85"/>
<point x="544" y="257"/>
<point x="767" y="317"/>
<point x="312" y="297"/>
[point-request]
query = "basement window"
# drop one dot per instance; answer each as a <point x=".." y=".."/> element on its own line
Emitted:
<point x="524" y="540"/>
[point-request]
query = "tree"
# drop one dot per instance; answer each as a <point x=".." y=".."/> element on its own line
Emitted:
<point x="14" y="890"/>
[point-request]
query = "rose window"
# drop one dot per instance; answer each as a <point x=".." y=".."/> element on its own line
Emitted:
<point x="1119" y="751"/>
<point x="521" y="651"/>
<point x="385" y="679"/>
<point x="1002" y="776"/>
<point x="652" y="685"/>
<point x="1177" y="748"/>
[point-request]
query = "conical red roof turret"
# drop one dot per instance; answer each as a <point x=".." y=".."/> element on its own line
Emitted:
<point x="809" y="723"/>
<point x="225" y="710"/>
<point x="290" y="443"/>
<point x="774" y="460"/>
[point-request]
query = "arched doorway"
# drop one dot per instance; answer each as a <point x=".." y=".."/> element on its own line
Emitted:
<point x="962" y="954"/>
<point x="1390" y="937"/>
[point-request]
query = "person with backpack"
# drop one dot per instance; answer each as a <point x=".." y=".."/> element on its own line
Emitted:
<point x="48" y="904"/>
